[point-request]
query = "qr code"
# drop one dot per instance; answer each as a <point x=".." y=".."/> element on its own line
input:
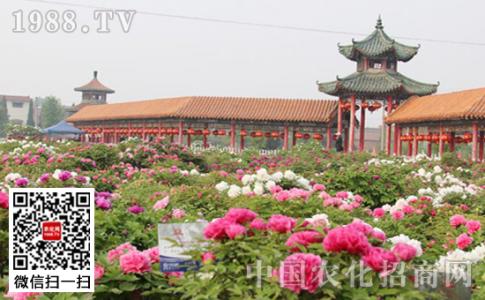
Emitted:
<point x="51" y="233"/>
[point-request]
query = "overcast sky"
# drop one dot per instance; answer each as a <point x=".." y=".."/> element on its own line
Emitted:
<point x="165" y="57"/>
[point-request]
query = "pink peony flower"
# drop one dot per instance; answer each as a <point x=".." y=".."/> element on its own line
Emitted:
<point x="282" y="196"/>
<point x="378" y="234"/>
<point x="120" y="250"/>
<point x="235" y="230"/>
<point x="208" y="257"/>
<point x="301" y="271"/>
<point x="21" y="182"/>
<point x="463" y="241"/>
<point x="473" y="226"/>
<point x="303" y="238"/>
<point x="103" y="203"/>
<point x="397" y="215"/>
<point x="135" y="262"/>
<point x="215" y="230"/>
<point x="408" y="209"/>
<point x="65" y="175"/>
<point x="3" y="200"/>
<point x="457" y="220"/>
<point x="153" y="254"/>
<point x="258" y="224"/>
<point x="361" y="226"/>
<point x="404" y="251"/>
<point x="178" y="213"/>
<point x="281" y="224"/>
<point x="136" y="209"/>
<point x="318" y="187"/>
<point x="346" y="239"/>
<point x="378" y="213"/>
<point x="240" y="215"/>
<point x="22" y="295"/>
<point x="44" y="178"/>
<point x="380" y="260"/>
<point x="161" y="204"/>
<point x="343" y="195"/>
<point x="98" y="272"/>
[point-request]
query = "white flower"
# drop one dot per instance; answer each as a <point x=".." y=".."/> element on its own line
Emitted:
<point x="246" y="190"/>
<point x="184" y="172"/>
<point x="247" y="179"/>
<point x="12" y="177"/>
<point x="269" y="185"/>
<point x="258" y="188"/>
<point x="262" y="175"/>
<point x="319" y="220"/>
<point x="289" y="175"/>
<point x="222" y="186"/>
<point x="437" y="169"/>
<point x="234" y="191"/>
<point x="304" y="183"/>
<point x="194" y="172"/>
<point x="277" y="176"/>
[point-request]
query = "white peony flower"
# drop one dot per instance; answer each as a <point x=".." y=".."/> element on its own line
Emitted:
<point x="12" y="177"/>
<point x="276" y="177"/>
<point x="319" y="220"/>
<point x="194" y="172"/>
<point x="289" y="175"/>
<point x="246" y="190"/>
<point x="222" y="186"/>
<point x="234" y="191"/>
<point x="269" y="185"/>
<point x="247" y="179"/>
<point x="258" y="188"/>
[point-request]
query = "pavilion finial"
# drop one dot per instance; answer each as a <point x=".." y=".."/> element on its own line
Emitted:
<point x="95" y="74"/>
<point x="379" y="23"/>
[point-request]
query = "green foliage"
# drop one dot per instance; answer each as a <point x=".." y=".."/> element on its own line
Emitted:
<point x="52" y="112"/>
<point x="30" y="116"/>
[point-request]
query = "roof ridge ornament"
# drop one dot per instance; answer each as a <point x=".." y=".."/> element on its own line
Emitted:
<point x="379" y="23"/>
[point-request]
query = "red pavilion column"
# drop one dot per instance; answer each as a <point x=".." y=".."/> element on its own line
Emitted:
<point x="241" y="141"/>
<point x="441" y="145"/>
<point x="285" y="137"/>
<point x="429" y="146"/>
<point x="180" y="140"/>
<point x="352" y="124"/>
<point x="452" y="141"/>
<point x="415" y="141"/>
<point x="480" y="146"/>
<point x="388" y="127"/>
<point x="189" y="139"/>
<point x="362" y="127"/>
<point x="399" y="142"/>
<point x="293" y="139"/>
<point x="204" y="138"/>
<point x="410" y="143"/>
<point x="233" y="136"/>
<point x="474" y="142"/>
<point x="329" y="137"/>
<point x="339" y="116"/>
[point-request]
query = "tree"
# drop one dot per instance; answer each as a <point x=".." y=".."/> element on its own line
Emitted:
<point x="3" y="116"/>
<point x="51" y="112"/>
<point x="30" y="117"/>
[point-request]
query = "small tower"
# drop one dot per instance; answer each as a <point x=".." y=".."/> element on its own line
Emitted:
<point x="94" y="92"/>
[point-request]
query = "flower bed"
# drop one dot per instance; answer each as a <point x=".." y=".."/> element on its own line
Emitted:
<point x="298" y="224"/>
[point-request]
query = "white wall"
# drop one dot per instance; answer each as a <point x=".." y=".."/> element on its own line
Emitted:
<point x="18" y="113"/>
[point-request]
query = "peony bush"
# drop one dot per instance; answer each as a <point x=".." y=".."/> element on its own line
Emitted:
<point x="301" y="224"/>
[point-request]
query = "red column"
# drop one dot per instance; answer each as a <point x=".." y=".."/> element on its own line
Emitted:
<point x="388" y="127"/>
<point x="362" y="128"/>
<point x="339" y="116"/>
<point x="233" y="136"/>
<point x="352" y="124"/>
<point x="399" y="142"/>
<point x="181" y="133"/>
<point x="103" y="136"/>
<point x="129" y="129"/>
<point x="329" y="137"/>
<point x="474" y="141"/>
<point x="480" y="146"/>
<point x="285" y="137"/>
<point x="204" y="140"/>
<point x="429" y="151"/>
<point x="441" y="146"/>
<point x="241" y="143"/>
<point x="452" y="142"/>
<point x="415" y="141"/>
<point x="293" y="140"/>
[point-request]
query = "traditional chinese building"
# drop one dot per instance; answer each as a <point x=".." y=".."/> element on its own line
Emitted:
<point x="448" y="120"/>
<point x="184" y="118"/>
<point x="375" y="81"/>
<point x="93" y="92"/>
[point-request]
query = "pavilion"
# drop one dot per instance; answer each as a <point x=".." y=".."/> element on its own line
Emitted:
<point x="376" y="80"/>
<point x="182" y="118"/>
<point x="444" y="119"/>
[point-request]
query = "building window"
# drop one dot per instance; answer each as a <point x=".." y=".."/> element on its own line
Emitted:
<point x="18" y="104"/>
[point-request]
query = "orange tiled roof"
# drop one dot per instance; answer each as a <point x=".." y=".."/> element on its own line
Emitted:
<point x="94" y="86"/>
<point x="222" y="108"/>
<point x="460" y="105"/>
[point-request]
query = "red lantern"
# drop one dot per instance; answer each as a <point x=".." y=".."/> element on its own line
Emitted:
<point x="298" y="135"/>
<point x="365" y="105"/>
<point x="175" y="131"/>
<point x="445" y="137"/>
<point x="306" y="136"/>
<point x="258" y="133"/>
<point x="221" y="132"/>
<point x="467" y="137"/>
<point x="267" y="134"/>
<point x="317" y="136"/>
<point x="435" y="137"/>
<point x="275" y="134"/>
<point x="206" y="131"/>
<point x="243" y="132"/>
<point x="190" y="131"/>
<point x="198" y="132"/>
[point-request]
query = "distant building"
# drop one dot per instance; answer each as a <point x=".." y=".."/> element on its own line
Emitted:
<point x="93" y="93"/>
<point x="17" y="108"/>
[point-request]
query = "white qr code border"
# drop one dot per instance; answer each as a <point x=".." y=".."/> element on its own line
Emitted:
<point x="67" y="278"/>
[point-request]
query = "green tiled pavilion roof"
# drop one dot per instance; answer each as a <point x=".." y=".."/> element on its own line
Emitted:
<point x="375" y="84"/>
<point x="378" y="44"/>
